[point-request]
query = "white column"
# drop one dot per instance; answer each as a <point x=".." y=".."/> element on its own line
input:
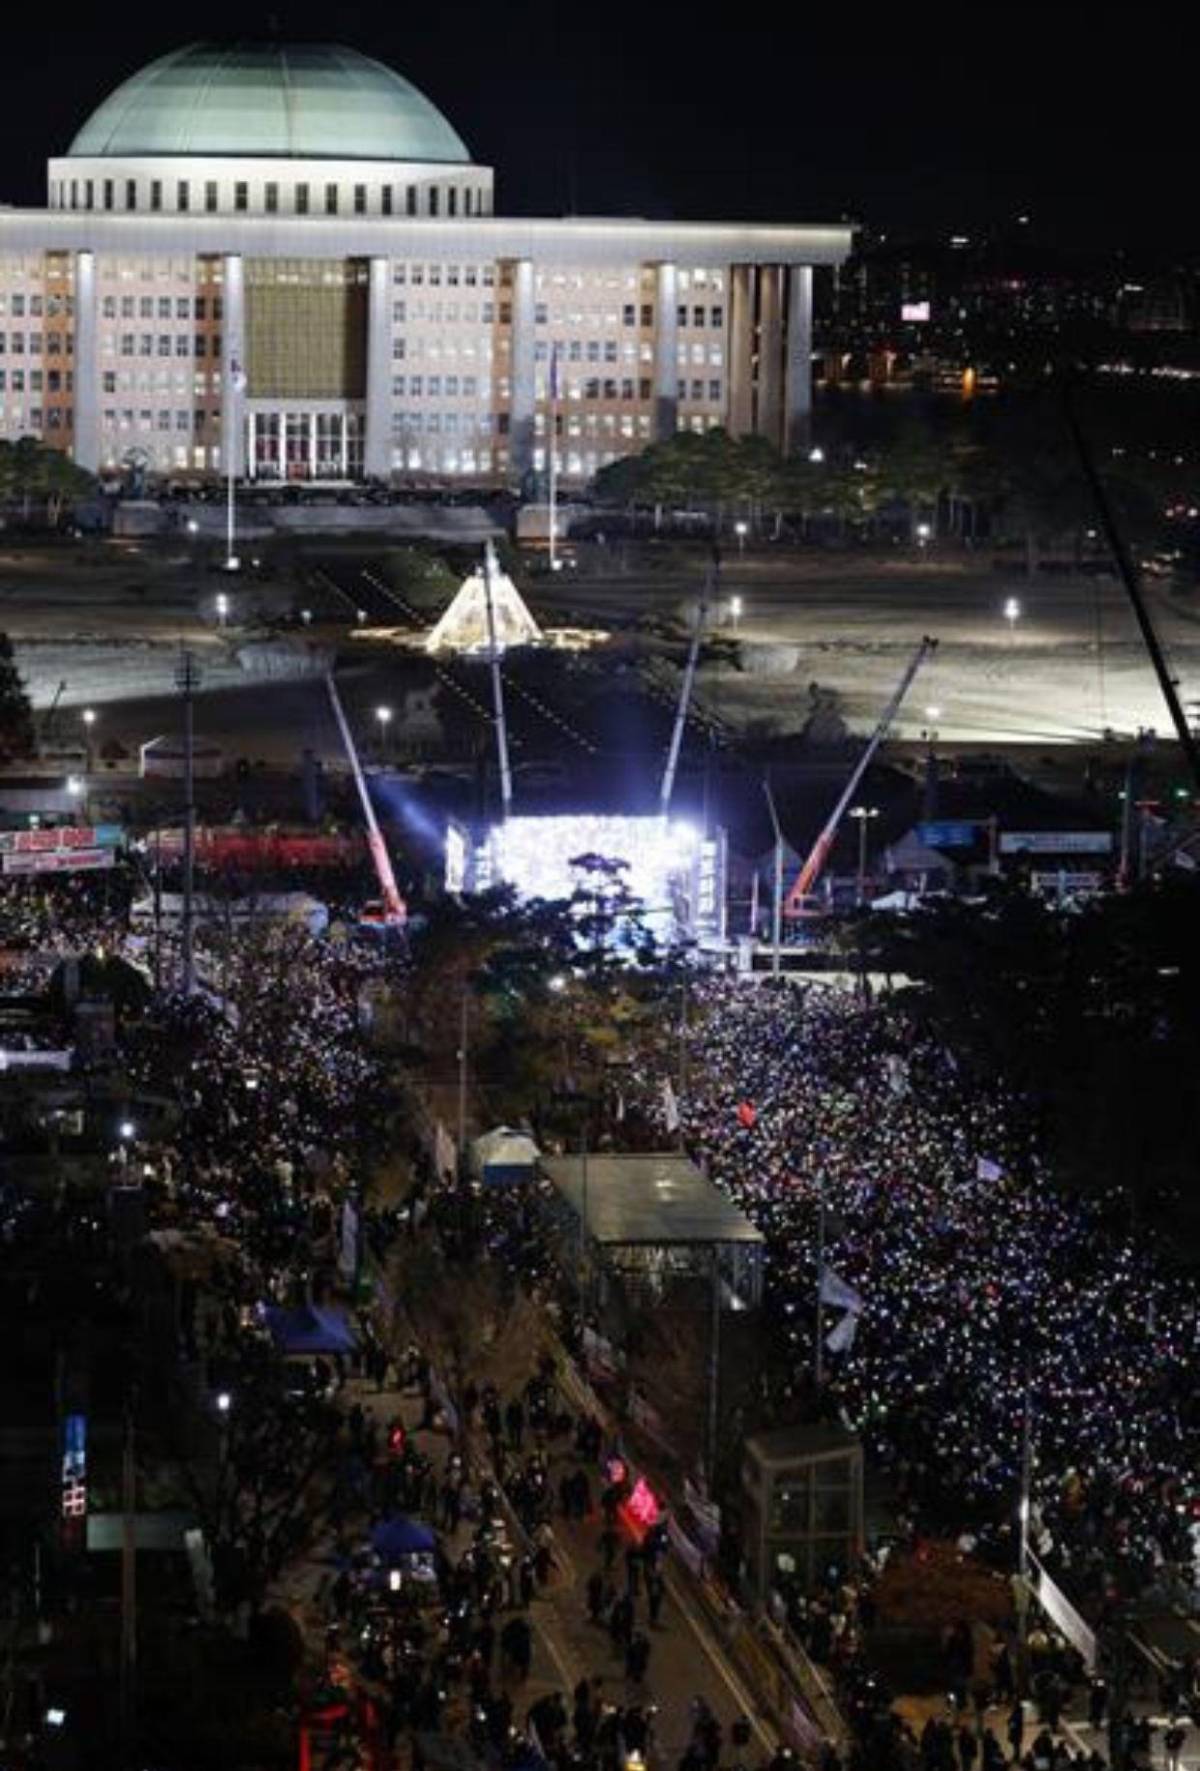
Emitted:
<point x="343" y="446"/>
<point x="740" y="349"/>
<point x="312" y="445"/>
<point x="283" y="440"/>
<point x="520" y="423"/>
<point x="377" y="443"/>
<point x="769" y="415"/>
<point x="85" y="373"/>
<point x="251" y="445"/>
<point x="666" y="353"/>
<point x="799" y="356"/>
<point x="233" y="363"/>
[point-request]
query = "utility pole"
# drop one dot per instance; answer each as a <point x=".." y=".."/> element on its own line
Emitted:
<point x="462" y="1079"/>
<point x="777" y="906"/>
<point x="187" y="681"/>
<point x="489" y="566"/>
<point x="714" y="1373"/>
<point x="819" y="1349"/>
<point x="128" y="1680"/>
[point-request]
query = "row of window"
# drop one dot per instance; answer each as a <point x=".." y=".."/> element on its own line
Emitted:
<point x="299" y="198"/>
<point x="165" y="307"/>
<point x="439" y="313"/>
<point x="162" y="344"/>
<point x="34" y="344"/>
<point x="161" y="381"/>
<point x="114" y="418"/>
<point x="417" y="276"/>
<point x="36" y="381"/>
<point x="34" y="307"/>
<point x="34" y="419"/>
<point x="435" y="385"/>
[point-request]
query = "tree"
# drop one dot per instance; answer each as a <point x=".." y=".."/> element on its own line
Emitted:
<point x="16" y="715"/>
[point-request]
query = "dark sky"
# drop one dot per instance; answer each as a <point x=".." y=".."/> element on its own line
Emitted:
<point x="910" y="116"/>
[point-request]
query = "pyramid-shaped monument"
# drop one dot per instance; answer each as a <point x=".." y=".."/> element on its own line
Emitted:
<point x="464" y="626"/>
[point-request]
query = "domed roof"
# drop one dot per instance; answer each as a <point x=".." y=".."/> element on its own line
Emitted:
<point x="283" y="100"/>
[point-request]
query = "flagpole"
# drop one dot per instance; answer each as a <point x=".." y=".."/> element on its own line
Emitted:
<point x="819" y="1349"/>
<point x="553" y="448"/>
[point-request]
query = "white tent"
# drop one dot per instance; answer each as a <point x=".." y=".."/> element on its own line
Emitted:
<point x="464" y="626"/>
<point x="503" y="1155"/>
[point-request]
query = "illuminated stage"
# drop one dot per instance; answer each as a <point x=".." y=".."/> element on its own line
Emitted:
<point x="676" y="872"/>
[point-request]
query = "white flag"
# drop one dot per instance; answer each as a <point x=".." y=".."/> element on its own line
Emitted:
<point x="670" y="1106"/>
<point x="987" y="1170"/>
<point x="835" y="1291"/>
<point x="841" y="1336"/>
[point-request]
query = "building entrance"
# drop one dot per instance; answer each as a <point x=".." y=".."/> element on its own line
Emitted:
<point x="297" y="444"/>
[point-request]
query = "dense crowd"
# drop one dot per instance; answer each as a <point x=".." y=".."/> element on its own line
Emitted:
<point x="985" y="1292"/>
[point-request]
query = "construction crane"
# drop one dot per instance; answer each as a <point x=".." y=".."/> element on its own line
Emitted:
<point x="685" y="691"/>
<point x="392" y="913"/>
<point x="809" y="874"/>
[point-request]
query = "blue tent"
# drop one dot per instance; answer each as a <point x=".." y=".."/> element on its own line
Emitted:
<point x="395" y="1538"/>
<point x="310" y="1329"/>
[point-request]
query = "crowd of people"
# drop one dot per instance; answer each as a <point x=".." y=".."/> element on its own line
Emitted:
<point x="991" y="1304"/>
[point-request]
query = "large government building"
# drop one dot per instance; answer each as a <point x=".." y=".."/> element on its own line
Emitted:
<point x="282" y="258"/>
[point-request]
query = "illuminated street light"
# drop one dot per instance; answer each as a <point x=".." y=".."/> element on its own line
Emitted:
<point x="923" y="534"/>
<point x="75" y="786"/>
<point x="127" y="1130"/>
<point x="384" y="716"/>
<point x="224" y="1401"/>
<point x="741" y="530"/>
<point x="222" y="608"/>
<point x="863" y="816"/>
<point x="89" y="716"/>
<point x="1012" y="614"/>
<point x="735" y="611"/>
<point x="816" y="454"/>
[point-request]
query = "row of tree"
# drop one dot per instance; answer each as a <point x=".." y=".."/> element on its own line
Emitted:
<point x="1006" y="471"/>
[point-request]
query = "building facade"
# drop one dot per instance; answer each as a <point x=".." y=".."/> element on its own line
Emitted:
<point x="281" y="259"/>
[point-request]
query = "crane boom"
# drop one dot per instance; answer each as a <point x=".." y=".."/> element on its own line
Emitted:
<point x="685" y="694"/>
<point x="499" y="717"/>
<point x="393" y="904"/>
<point x="809" y="874"/>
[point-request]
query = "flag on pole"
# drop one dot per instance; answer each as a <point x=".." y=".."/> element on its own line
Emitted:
<point x="840" y="1338"/>
<point x="554" y="372"/>
<point x="987" y="1170"/>
<point x="670" y="1106"/>
<point x="237" y="376"/>
<point x="835" y="1291"/>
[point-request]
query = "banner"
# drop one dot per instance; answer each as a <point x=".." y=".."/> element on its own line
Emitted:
<point x="835" y="1291"/>
<point x="60" y="838"/>
<point x="840" y="1338"/>
<point x="1062" y="1614"/>
<point x="670" y="1106"/>
<point x="57" y="861"/>
<point x="348" y="1253"/>
<point x="987" y="1170"/>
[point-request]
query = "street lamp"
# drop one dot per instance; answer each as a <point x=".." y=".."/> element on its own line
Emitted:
<point x="558" y="982"/>
<point x="863" y="814"/>
<point x="224" y="1401"/>
<point x="384" y="716"/>
<point x="1012" y="614"/>
<point x="735" y="611"/>
<point x="816" y="455"/>
<point x="923" y="534"/>
<point x="222" y="608"/>
<point x="741" y="530"/>
<point x="127" y="1131"/>
<point x="76" y="786"/>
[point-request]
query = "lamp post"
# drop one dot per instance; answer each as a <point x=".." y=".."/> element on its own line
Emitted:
<point x="735" y="611"/>
<point x="863" y="815"/>
<point x="1012" y="614"/>
<point x="88" y="716"/>
<point x="222" y="608"/>
<point x="384" y="716"/>
<point x="741" y="530"/>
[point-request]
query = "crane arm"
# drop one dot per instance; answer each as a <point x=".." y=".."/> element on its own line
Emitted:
<point x="685" y="694"/>
<point x="811" y="871"/>
<point x="393" y="904"/>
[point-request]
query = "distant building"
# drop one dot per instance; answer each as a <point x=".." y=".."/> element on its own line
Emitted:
<point x="283" y="258"/>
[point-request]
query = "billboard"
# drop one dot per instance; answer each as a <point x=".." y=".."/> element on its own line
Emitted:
<point x="915" y="313"/>
<point x="60" y="839"/>
<point x="1056" y="842"/>
<point x="57" y="861"/>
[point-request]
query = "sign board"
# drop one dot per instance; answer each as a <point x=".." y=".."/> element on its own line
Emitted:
<point x="1062" y="1614"/>
<point x="959" y="835"/>
<point x="1066" y="884"/>
<point x="1056" y="842"/>
<point x="915" y="313"/>
<point x="74" y="1475"/>
<point x="57" y="861"/>
<point x="60" y="839"/>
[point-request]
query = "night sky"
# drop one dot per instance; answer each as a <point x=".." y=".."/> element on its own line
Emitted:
<point x="907" y="117"/>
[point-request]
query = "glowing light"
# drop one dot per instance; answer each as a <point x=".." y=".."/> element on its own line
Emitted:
<point x="224" y="1402"/>
<point x="127" y="1129"/>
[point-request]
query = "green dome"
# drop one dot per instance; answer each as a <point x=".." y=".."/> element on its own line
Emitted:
<point x="283" y="100"/>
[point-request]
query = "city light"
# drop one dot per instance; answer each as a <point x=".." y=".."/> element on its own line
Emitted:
<point x="224" y="1401"/>
<point x="741" y="530"/>
<point x="383" y="715"/>
<point x="75" y="786"/>
<point x="127" y="1130"/>
<point x="89" y="716"/>
<point x="816" y="455"/>
<point x="1012" y="614"/>
<point x="735" y="611"/>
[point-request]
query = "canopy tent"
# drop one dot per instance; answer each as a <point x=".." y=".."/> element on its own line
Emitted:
<point x="502" y="1156"/>
<point x="396" y="1538"/>
<point x="310" y="1330"/>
